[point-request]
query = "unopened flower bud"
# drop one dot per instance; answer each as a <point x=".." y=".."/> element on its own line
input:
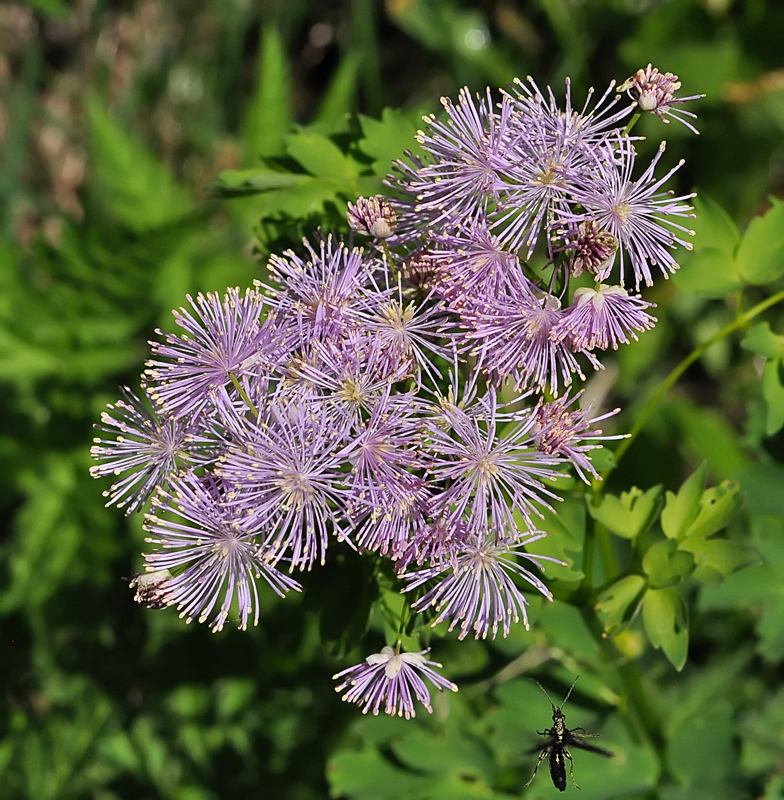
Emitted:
<point x="594" y="248"/>
<point x="373" y="216"/>
<point x="654" y="91"/>
<point x="422" y="271"/>
<point x="151" y="587"/>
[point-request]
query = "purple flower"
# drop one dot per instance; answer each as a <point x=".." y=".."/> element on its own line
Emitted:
<point x="383" y="448"/>
<point x="471" y="262"/>
<point x="318" y="294"/>
<point x="148" y="448"/>
<point x="466" y="149"/>
<point x="603" y="317"/>
<point x="388" y="526"/>
<point x="390" y="680"/>
<point x="211" y="551"/>
<point x="405" y="334"/>
<point x="287" y="477"/>
<point x="223" y="339"/>
<point x="478" y="593"/>
<point x="568" y="129"/>
<point x="635" y="212"/>
<point x="436" y="543"/>
<point x="489" y="477"/>
<point x="561" y="432"/>
<point x="549" y="147"/>
<point x="654" y="91"/>
<point x="373" y="216"/>
<point x="513" y="338"/>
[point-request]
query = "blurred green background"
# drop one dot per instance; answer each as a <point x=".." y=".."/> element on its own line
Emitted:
<point x="114" y="117"/>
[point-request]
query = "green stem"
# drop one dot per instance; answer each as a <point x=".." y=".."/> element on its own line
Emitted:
<point x="243" y="393"/>
<point x="388" y="254"/>
<point x="632" y="122"/>
<point x="740" y="321"/>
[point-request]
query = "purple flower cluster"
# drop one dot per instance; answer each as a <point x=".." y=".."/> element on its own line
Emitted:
<point x="356" y="398"/>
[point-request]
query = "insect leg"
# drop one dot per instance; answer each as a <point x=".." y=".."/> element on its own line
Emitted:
<point x="571" y="766"/>
<point x="542" y="757"/>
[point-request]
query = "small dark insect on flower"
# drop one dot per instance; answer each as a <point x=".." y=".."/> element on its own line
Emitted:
<point x="558" y="744"/>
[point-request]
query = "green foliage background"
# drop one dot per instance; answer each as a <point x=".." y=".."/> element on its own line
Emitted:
<point x="114" y="117"/>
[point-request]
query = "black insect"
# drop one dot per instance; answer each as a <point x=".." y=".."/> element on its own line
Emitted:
<point x="557" y="746"/>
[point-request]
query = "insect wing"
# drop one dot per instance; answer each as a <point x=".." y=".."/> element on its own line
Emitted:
<point x="575" y="741"/>
<point x="541" y="747"/>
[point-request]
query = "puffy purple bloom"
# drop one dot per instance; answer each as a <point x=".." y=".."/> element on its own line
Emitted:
<point x="287" y="478"/>
<point x="489" y="476"/>
<point x="406" y="333"/>
<point x="561" y="432"/>
<point x="383" y="448"/>
<point x="549" y="148"/>
<point x="479" y="593"/>
<point x="211" y="551"/>
<point x="654" y="91"/>
<point x="390" y="680"/>
<point x="436" y="543"/>
<point x="471" y="262"/>
<point x="374" y="216"/>
<point x="465" y="150"/>
<point x="567" y="129"/>
<point x="223" y="338"/>
<point x="513" y="338"/>
<point x="148" y="448"/>
<point x="318" y="294"/>
<point x="636" y="212"/>
<point x="388" y="526"/>
<point x="603" y="317"/>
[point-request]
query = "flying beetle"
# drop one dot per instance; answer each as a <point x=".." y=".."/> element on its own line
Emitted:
<point x="558" y="744"/>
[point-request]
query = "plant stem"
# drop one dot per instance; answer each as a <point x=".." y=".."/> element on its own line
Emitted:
<point x="740" y="321"/>
<point x="243" y="394"/>
<point x="632" y="122"/>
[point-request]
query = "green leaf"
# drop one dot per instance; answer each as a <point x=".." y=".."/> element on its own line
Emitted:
<point x="760" y="339"/>
<point x="666" y="565"/>
<point x="629" y="515"/>
<point x="710" y="269"/>
<point x="773" y="392"/>
<point x="709" y="272"/>
<point x="713" y="227"/>
<point x="617" y="605"/>
<point x="340" y="96"/>
<point x="565" y="535"/>
<point x="241" y="182"/>
<point x="307" y="197"/>
<point x="715" y="559"/>
<point x="760" y="256"/>
<point x="718" y="505"/>
<point x="321" y="157"/>
<point x="665" y="618"/>
<point x="268" y="115"/>
<point x="368" y="775"/>
<point x="681" y="509"/>
<point x="426" y="753"/>
<point x="133" y="186"/>
<point x="387" y="139"/>
<point x="708" y="435"/>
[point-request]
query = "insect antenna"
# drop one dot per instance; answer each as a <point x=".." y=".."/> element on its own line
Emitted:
<point x="568" y="693"/>
<point x="548" y="696"/>
<point x="545" y="693"/>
